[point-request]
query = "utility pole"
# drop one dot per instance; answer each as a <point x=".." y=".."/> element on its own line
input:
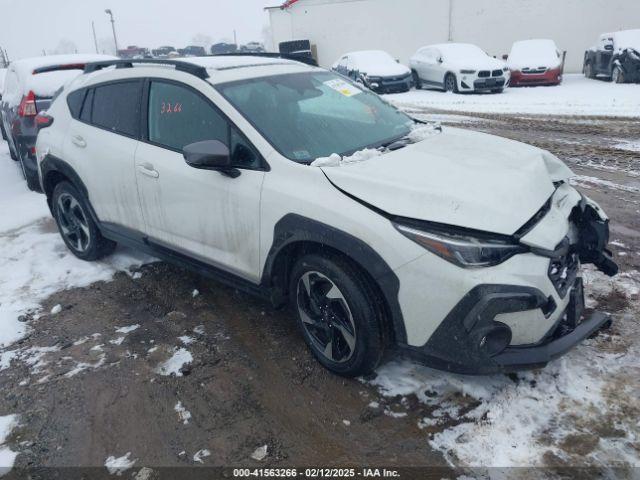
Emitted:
<point x="95" y="39"/>
<point x="451" y="20"/>
<point x="113" y="27"/>
<point x="235" y="39"/>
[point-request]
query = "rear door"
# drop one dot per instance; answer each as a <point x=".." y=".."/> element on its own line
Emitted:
<point x="202" y="213"/>
<point x="101" y="145"/>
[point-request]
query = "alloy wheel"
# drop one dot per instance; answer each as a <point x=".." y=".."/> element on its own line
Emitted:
<point x="73" y="222"/>
<point x="450" y="83"/>
<point x="326" y="317"/>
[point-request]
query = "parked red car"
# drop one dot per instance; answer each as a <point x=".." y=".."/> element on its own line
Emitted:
<point x="535" y="62"/>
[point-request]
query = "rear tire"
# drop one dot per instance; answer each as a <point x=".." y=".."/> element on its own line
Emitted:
<point x="588" y="70"/>
<point x="497" y="90"/>
<point x="336" y="312"/>
<point x="75" y="223"/>
<point x="450" y="83"/>
<point x="416" y="80"/>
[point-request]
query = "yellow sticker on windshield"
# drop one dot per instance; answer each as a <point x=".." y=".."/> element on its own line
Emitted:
<point x="345" y="88"/>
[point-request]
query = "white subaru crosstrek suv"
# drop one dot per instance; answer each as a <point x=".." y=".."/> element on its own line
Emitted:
<point x="458" y="67"/>
<point x="462" y="249"/>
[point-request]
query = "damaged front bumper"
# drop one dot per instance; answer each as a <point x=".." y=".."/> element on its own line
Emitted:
<point x="476" y="335"/>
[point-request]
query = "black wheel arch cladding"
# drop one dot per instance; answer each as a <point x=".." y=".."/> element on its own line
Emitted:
<point x="294" y="230"/>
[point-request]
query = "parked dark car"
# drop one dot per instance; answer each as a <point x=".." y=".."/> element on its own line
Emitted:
<point x="163" y="51"/>
<point x="297" y="48"/>
<point x="193" y="51"/>
<point x="28" y="89"/>
<point x="375" y="69"/>
<point x="222" y="48"/>
<point x="615" y="57"/>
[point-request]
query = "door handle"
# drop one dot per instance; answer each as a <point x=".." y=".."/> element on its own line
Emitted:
<point x="147" y="169"/>
<point x="78" y="141"/>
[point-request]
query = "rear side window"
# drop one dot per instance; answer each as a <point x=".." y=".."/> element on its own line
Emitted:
<point x="74" y="101"/>
<point x="85" y="114"/>
<point x="178" y="116"/>
<point x="116" y="107"/>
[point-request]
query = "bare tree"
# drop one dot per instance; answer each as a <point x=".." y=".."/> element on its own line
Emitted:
<point x="202" y="40"/>
<point x="65" y="46"/>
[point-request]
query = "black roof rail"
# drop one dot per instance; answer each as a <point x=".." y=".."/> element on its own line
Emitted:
<point x="285" y="56"/>
<point x="188" y="67"/>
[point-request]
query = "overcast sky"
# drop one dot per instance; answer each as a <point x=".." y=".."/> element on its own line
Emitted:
<point x="29" y="26"/>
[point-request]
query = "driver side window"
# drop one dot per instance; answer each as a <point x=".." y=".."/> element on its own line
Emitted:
<point x="178" y="116"/>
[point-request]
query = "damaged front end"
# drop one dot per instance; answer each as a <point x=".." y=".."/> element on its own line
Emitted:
<point x="629" y="63"/>
<point x="593" y="236"/>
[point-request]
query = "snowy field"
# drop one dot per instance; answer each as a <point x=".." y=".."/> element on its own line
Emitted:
<point x="576" y="96"/>
<point x="581" y="410"/>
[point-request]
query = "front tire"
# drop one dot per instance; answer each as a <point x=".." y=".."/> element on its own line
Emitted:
<point x="337" y="315"/>
<point x="450" y="83"/>
<point x="416" y="80"/>
<point x="617" y="76"/>
<point x="75" y="223"/>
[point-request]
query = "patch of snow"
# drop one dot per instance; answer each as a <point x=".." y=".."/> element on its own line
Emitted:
<point x="200" y="454"/>
<point x="7" y="456"/>
<point x="180" y="357"/>
<point x="260" y="453"/>
<point x="347" y="423"/>
<point x="195" y="293"/>
<point x="128" y="329"/>
<point x="199" y="330"/>
<point x="117" y="341"/>
<point x="118" y="465"/>
<point x="183" y="414"/>
<point x="591" y="182"/>
<point x="82" y="366"/>
<point x="56" y="310"/>
<point x="628" y="145"/>
<point x="186" y="339"/>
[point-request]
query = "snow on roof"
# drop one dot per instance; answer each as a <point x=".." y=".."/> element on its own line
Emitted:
<point x="224" y="62"/>
<point x="376" y="63"/>
<point x="534" y="53"/>
<point x="627" y="39"/>
<point x="47" y="83"/>
<point x="461" y="51"/>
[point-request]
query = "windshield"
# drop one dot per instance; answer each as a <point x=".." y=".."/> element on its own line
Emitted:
<point x="315" y="114"/>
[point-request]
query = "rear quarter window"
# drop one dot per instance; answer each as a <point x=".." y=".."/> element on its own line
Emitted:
<point x="116" y="107"/>
<point x="74" y="101"/>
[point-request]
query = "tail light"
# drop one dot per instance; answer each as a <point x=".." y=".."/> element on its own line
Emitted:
<point x="43" y="120"/>
<point x="27" y="107"/>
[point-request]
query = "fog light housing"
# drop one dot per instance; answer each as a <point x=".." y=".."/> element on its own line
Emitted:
<point x="492" y="339"/>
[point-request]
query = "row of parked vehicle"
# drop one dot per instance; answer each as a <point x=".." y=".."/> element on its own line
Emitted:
<point x="461" y="67"/>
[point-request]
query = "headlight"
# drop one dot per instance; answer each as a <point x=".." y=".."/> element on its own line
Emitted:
<point x="467" y="72"/>
<point x="461" y="249"/>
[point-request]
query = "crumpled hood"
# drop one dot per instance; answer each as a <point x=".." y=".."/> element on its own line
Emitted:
<point x="458" y="177"/>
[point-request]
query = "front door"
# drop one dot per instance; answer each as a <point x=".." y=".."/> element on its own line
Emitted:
<point x="202" y="213"/>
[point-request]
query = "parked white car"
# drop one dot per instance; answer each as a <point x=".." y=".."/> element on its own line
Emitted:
<point x="459" y="248"/>
<point x="458" y="67"/>
<point x="375" y="69"/>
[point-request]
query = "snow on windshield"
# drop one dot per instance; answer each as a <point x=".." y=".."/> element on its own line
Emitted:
<point x="534" y="53"/>
<point x="376" y="62"/>
<point x="627" y="39"/>
<point x="419" y="132"/>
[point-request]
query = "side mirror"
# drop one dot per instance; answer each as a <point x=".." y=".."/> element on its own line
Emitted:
<point x="609" y="47"/>
<point x="439" y="60"/>
<point x="505" y="57"/>
<point x="210" y="155"/>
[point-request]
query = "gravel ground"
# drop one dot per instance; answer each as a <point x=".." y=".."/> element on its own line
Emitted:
<point x="88" y="388"/>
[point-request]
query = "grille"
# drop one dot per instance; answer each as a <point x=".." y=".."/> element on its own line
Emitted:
<point x="534" y="71"/>
<point x="563" y="272"/>
<point x="484" y="73"/>
<point x="496" y="73"/>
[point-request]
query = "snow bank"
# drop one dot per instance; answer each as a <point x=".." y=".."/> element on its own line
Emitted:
<point x="576" y="96"/>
